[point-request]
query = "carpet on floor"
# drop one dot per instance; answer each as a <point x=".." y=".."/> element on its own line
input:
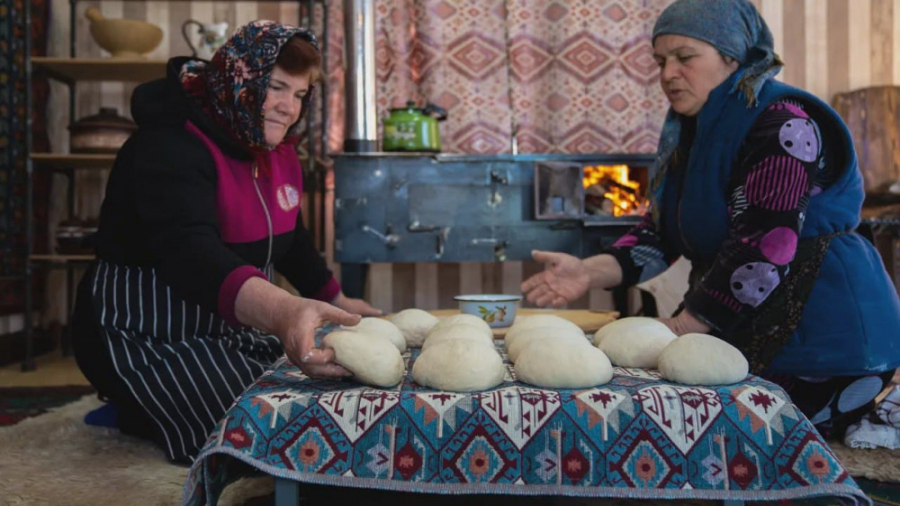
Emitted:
<point x="19" y="403"/>
<point x="56" y="459"/>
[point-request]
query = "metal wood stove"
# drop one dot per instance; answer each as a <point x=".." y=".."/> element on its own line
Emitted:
<point x="394" y="207"/>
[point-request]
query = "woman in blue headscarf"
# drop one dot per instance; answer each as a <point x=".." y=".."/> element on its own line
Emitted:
<point x="756" y="182"/>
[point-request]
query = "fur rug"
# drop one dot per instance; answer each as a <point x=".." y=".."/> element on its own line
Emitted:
<point x="880" y="464"/>
<point x="57" y="459"/>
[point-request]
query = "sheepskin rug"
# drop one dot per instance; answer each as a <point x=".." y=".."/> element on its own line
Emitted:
<point x="879" y="464"/>
<point x="57" y="459"/>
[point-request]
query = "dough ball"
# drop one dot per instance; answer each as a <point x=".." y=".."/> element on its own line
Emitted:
<point x="534" y="321"/>
<point x="373" y="360"/>
<point x="627" y="324"/>
<point x="415" y="325"/>
<point x="467" y="319"/>
<point x="382" y="328"/>
<point x="549" y="364"/>
<point x="459" y="366"/>
<point x="454" y="332"/>
<point x="637" y="345"/>
<point x="701" y="359"/>
<point x="554" y="334"/>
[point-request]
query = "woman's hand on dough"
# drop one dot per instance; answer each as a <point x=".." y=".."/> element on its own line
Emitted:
<point x="565" y="278"/>
<point x="355" y="306"/>
<point x="685" y="323"/>
<point x="298" y="320"/>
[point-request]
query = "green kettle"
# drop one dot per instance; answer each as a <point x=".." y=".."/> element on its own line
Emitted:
<point x="412" y="129"/>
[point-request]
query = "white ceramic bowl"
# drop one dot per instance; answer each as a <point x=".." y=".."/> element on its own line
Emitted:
<point x="497" y="310"/>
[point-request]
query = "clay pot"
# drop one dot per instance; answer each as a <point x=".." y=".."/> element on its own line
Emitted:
<point x="104" y="132"/>
<point x="123" y="38"/>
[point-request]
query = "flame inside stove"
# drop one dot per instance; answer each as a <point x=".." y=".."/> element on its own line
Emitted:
<point x="614" y="184"/>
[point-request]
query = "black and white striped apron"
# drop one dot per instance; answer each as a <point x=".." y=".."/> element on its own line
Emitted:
<point x="184" y="365"/>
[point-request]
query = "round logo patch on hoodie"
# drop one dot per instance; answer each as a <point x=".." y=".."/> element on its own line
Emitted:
<point x="288" y="197"/>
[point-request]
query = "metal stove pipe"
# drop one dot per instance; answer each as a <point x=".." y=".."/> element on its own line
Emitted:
<point x="361" y="127"/>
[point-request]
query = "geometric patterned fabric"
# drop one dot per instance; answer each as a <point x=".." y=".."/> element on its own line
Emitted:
<point x="637" y="436"/>
<point x="14" y="117"/>
<point x="558" y="77"/>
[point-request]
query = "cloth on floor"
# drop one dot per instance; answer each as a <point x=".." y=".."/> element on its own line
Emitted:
<point x="868" y="435"/>
<point x="888" y="409"/>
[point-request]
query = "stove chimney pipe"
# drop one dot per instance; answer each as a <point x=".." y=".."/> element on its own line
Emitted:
<point x="361" y="127"/>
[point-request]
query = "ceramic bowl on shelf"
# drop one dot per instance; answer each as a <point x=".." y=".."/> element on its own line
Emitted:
<point x="104" y="132"/>
<point x="123" y="38"/>
<point x="497" y="310"/>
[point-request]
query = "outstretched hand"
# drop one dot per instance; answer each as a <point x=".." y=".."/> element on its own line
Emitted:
<point x="564" y="279"/>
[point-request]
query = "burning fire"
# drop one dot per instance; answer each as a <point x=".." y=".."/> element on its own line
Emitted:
<point x="616" y="187"/>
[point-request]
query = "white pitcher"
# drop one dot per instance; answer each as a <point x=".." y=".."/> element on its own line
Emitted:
<point x="212" y="36"/>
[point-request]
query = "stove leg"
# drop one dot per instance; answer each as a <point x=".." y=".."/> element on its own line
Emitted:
<point x="353" y="279"/>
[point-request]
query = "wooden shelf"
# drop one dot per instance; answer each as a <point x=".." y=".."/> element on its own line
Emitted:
<point x="70" y="70"/>
<point x="73" y="161"/>
<point x="62" y="258"/>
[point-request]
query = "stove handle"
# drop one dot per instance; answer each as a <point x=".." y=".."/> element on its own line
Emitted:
<point x="497" y="177"/>
<point x="415" y="226"/>
<point x="390" y="240"/>
<point x="499" y="246"/>
<point x="443" y="232"/>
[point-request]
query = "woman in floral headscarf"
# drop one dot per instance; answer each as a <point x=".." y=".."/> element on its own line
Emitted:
<point x="178" y="316"/>
<point x="756" y="182"/>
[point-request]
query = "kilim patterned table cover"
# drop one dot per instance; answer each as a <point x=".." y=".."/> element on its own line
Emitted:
<point x="635" y="437"/>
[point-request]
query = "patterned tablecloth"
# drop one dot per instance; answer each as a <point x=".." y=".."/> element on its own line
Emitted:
<point x="636" y="437"/>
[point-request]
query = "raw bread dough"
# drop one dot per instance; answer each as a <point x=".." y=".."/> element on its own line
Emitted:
<point x="556" y="334"/>
<point x="382" y="328"/>
<point x="467" y="319"/>
<point x="415" y="325"/>
<point x="548" y="364"/>
<point x="538" y="320"/>
<point x="459" y="366"/>
<point x="637" y="345"/>
<point x="373" y="360"/>
<point x="701" y="359"/>
<point x="627" y="325"/>
<point x="462" y="331"/>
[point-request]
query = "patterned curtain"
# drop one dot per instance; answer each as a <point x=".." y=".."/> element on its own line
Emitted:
<point x="563" y="76"/>
<point x="12" y="140"/>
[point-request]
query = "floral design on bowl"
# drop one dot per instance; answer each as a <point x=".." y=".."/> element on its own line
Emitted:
<point x="497" y="310"/>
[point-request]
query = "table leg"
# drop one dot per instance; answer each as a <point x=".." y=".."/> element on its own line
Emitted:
<point x="287" y="492"/>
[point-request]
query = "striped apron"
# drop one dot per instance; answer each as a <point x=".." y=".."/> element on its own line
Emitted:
<point x="184" y="365"/>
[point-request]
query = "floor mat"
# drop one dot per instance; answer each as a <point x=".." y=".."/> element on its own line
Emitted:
<point x="19" y="403"/>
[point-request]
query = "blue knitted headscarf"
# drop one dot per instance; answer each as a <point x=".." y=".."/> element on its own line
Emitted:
<point x="735" y="28"/>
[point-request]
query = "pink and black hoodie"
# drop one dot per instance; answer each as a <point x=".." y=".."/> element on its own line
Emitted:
<point x="195" y="205"/>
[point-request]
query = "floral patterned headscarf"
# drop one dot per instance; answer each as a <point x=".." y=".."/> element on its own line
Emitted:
<point x="231" y="88"/>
